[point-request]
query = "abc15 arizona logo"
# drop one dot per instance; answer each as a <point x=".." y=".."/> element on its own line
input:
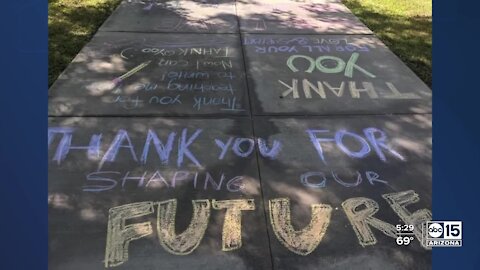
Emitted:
<point x="443" y="234"/>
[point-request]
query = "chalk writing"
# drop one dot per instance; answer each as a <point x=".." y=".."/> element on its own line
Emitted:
<point x="360" y="212"/>
<point x="183" y="145"/>
<point x="264" y="150"/>
<point x="134" y="102"/>
<point x="373" y="140"/>
<point x="237" y="149"/>
<point x="273" y="40"/>
<point x="199" y="87"/>
<point x="165" y="100"/>
<point x="310" y="49"/>
<point x="178" y="49"/>
<point x="128" y="102"/>
<point x="188" y="241"/>
<point x="176" y="75"/>
<point x="363" y="219"/>
<point x="119" y="235"/>
<point x="122" y="141"/>
<point x="209" y="64"/>
<point x="232" y="224"/>
<point x="376" y="139"/>
<point x="304" y="41"/>
<point x="318" y="87"/>
<point x="338" y="66"/>
<point x="183" y="67"/>
<point x="276" y="49"/>
<point x="399" y="201"/>
<point x="65" y="144"/>
<point x="163" y="150"/>
<point x="301" y="242"/>
<point x="101" y="181"/>
<point x="173" y="63"/>
<point x="318" y="179"/>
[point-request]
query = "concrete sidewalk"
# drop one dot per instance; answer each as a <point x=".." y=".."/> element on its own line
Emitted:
<point x="241" y="135"/>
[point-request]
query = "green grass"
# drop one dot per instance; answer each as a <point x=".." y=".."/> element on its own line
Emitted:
<point x="405" y="26"/>
<point x="71" y="24"/>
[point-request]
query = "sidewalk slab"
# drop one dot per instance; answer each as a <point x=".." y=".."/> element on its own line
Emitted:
<point x="294" y="17"/>
<point x="173" y="16"/>
<point x="97" y="164"/>
<point x="328" y="75"/>
<point x="153" y="74"/>
<point x="348" y="165"/>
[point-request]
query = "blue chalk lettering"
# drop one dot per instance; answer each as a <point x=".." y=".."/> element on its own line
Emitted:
<point x="271" y="153"/>
<point x="304" y="179"/>
<point x="359" y="154"/>
<point x="140" y="179"/>
<point x="209" y="179"/>
<point x="322" y="48"/>
<point x="183" y="150"/>
<point x="165" y="100"/>
<point x="374" y="177"/>
<point x="60" y="147"/>
<point x="163" y="150"/>
<point x="223" y="146"/>
<point x="156" y="178"/>
<point x="345" y="184"/>
<point x="316" y="141"/>
<point x="380" y="142"/>
<point x="238" y="150"/>
<point x="195" y="180"/>
<point x="56" y="130"/>
<point x="111" y="154"/>
<point x="65" y="145"/>
<point x="260" y="49"/>
<point x="235" y="184"/>
<point x="95" y="176"/>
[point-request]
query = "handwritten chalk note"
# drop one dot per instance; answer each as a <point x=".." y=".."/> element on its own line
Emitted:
<point x="145" y="74"/>
<point x="322" y="75"/>
<point x="146" y="175"/>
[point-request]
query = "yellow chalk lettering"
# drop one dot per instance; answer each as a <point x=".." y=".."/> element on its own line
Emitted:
<point x="397" y="95"/>
<point x="307" y="85"/>
<point x="291" y="89"/>
<point x="337" y="91"/>
<point x="355" y="92"/>
<point x="399" y="201"/>
<point x="120" y="235"/>
<point x="232" y="224"/>
<point x="186" y="242"/>
<point x="361" y="220"/>
<point x="301" y="242"/>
